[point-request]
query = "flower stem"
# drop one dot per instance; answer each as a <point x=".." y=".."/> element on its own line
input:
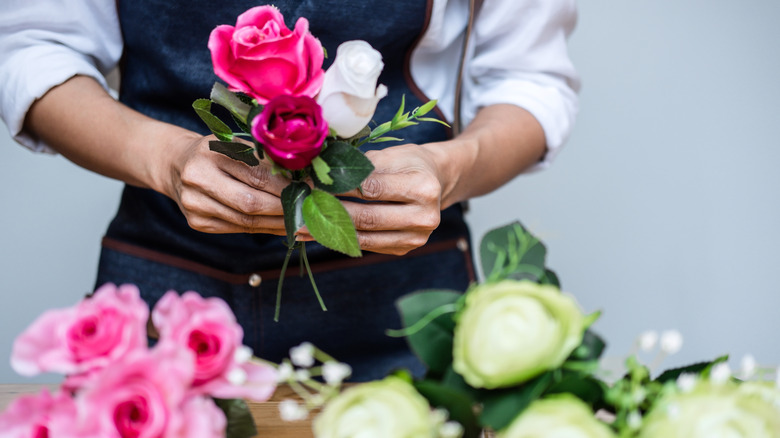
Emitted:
<point x="424" y="321"/>
<point x="311" y="277"/>
<point x="281" y="281"/>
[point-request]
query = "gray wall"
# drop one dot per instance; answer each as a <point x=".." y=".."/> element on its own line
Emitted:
<point x="661" y="212"/>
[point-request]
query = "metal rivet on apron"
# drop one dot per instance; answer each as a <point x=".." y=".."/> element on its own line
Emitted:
<point x="255" y="280"/>
<point x="463" y="245"/>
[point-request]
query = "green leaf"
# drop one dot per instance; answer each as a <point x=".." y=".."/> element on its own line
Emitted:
<point x="227" y="99"/>
<point x="292" y="204"/>
<point x="321" y="169"/>
<point x="502" y="406"/>
<point x="240" y="423"/>
<point x="458" y="404"/>
<point x="237" y="151"/>
<point x="425" y="109"/>
<point x="591" y="348"/>
<point x="384" y="139"/>
<point x="348" y="168"/>
<point x="218" y="127"/>
<point x="431" y="119"/>
<point x="585" y="387"/>
<point x="511" y="252"/>
<point x="551" y="278"/>
<point x="330" y="224"/>
<point x="399" y="114"/>
<point x="696" y="368"/>
<point x="432" y="344"/>
<point x="382" y="129"/>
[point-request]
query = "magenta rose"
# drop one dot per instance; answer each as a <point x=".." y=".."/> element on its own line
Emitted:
<point x="208" y="328"/>
<point x="86" y="337"/>
<point x="291" y="130"/>
<point x="31" y="415"/>
<point x="143" y="395"/>
<point x="261" y="57"/>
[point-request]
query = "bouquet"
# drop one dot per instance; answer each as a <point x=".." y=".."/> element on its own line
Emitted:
<point x="515" y="357"/>
<point x="307" y="122"/>
<point x="191" y="383"/>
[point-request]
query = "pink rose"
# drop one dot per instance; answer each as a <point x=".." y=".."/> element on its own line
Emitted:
<point x="29" y="416"/>
<point x="261" y="57"/>
<point x="208" y="328"/>
<point x="142" y="395"/>
<point x="202" y="419"/>
<point x="88" y="336"/>
<point x="291" y="130"/>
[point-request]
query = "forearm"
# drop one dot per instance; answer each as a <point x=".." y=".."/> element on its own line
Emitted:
<point x="500" y="143"/>
<point x="81" y="121"/>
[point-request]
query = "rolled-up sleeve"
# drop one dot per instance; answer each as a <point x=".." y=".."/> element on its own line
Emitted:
<point x="46" y="42"/>
<point x="518" y="55"/>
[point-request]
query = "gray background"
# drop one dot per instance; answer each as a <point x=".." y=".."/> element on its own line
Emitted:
<point x="662" y="211"/>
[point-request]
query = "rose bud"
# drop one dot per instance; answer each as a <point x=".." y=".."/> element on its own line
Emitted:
<point x="349" y="92"/>
<point x="291" y="130"/>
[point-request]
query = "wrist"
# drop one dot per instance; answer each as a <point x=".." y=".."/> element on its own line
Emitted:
<point x="453" y="160"/>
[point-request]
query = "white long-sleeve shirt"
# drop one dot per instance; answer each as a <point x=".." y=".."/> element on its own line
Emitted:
<point x="518" y="56"/>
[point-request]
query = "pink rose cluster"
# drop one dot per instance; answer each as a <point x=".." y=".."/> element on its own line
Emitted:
<point x="117" y="386"/>
<point x="282" y="70"/>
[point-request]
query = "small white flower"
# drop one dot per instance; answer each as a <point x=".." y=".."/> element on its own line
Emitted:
<point x="237" y="376"/>
<point x="747" y="366"/>
<point x="647" y="340"/>
<point x="686" y="382"/>
<point x="284" y="372"/>
<point x="605" y="416"/>
<point x="242" y="354"/>
<point x="451" y="429"/>
<point x="671" y="341"/>
<point x="634" y="420"/>
<point x="673" y="411"/>
<point x="439" y="416"/>
<point x="335" y="372"/>
<point x="302" y="375"/>
<point x="720" y="373"/>
<point x="639" y="395"/>
<point x="290" y="410"/>
<point x="303" y="355"/>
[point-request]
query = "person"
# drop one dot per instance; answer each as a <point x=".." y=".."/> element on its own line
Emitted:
<point x="192" y="219"/>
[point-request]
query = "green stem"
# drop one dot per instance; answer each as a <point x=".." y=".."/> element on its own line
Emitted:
<point x="311" y="277"/>
<point x="424" y="321"/>
<point x="281" y="282"/>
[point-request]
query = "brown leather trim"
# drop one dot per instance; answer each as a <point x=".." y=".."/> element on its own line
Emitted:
<point x="229" y="277"/>
<point x="408" y="66"/>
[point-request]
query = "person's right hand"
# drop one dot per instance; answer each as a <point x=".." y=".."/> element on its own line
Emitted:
<point x="220" y="195"/>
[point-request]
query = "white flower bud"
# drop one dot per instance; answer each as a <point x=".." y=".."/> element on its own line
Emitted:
<point x="451" y="429"/>
<point x="686" y="382"/>
<point x="302" y="355"/>
<point x="237" y="376"/>
<point x="284" y="372"/>
<point x="349" y="91"/>
<point x="335" y="372"/>
<point x="647" y="340"/>
<point x="242" y="354"/>
<point x="671" y="341"/>
<point x="290" y="410"/>
<point x="747" y="366"/>
<point x="720" y="373"/>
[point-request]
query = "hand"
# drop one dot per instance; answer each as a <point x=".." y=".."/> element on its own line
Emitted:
<point x="404" y="194"/>
<point x="220" y="195"/>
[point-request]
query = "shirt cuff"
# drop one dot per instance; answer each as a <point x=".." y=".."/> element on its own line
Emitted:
<point x="27" y="82"/>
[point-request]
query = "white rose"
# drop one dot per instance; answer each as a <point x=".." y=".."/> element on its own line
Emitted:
<point x="349" y="92"/>
<point x="512" y="331"/>
<point x="388" y="408"/>
<point x="561" y="415"/>
<point x="714" y="410"/>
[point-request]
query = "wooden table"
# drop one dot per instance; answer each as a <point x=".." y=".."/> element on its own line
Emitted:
<point x="266" y="414"/>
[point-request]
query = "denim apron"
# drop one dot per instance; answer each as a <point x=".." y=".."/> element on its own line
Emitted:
<point x="166" y="65"/>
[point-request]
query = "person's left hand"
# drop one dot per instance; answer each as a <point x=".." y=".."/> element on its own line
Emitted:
<point x="404" y="194"/>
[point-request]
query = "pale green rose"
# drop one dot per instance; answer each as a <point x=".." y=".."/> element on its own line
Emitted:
<point x="511" y="331"/>
<point x="716" y="410"/>
<point x="557" y="416"/>
<point x="388" y="408"/>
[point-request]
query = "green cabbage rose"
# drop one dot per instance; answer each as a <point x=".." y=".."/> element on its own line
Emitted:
<point x="511" y="331"/>
<point x="557" y="416"/>
<point x="713" y="410"/>
<point x="389" y="408"/>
